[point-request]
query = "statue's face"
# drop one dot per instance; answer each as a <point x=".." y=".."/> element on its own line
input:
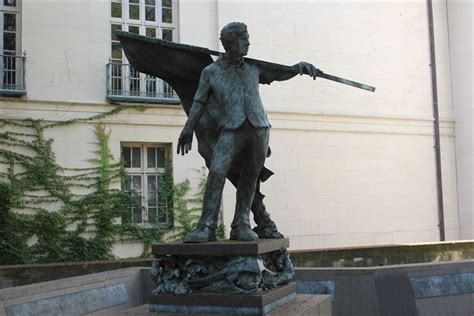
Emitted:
<point x="241" y="44"/>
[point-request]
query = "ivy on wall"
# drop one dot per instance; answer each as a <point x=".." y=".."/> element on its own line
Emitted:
<point x="44" y="219"/>
<point x="83" y="226"/>
<point x="188" y="207"/>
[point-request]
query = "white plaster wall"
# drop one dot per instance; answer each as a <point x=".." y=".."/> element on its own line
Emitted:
<point x="354" y="168"/>
<point x="67" y="44"/>
<point x="460" y="35"/>
<point x="351" y="167"/>
<point x="384" y="44"/>
<point x="74" y="144"/>
<point x="198" y="23"/>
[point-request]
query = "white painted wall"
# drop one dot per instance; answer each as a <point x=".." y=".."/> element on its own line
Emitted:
<point x="68" y="46"/>
<point x="354" y="168"/>
<point x="351" y="167"/>
<point x="460" y="15"/>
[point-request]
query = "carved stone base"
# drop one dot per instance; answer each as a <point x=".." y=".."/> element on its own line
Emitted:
<point x="229" y="267"/>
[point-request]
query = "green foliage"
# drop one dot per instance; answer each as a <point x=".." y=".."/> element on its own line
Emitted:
<point x="44" y="219"/>
<point x="83" y="226"/>
<point x="187" y="209"/>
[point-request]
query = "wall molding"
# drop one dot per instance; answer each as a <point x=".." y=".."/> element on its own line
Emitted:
<point x="173" y="116"/>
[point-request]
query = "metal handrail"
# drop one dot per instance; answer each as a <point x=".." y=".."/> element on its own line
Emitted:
<point x="127" y="84"/>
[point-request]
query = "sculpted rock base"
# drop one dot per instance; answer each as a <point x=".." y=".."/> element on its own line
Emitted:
<point x="237" y="274"/>
<point x="223" y="277"/>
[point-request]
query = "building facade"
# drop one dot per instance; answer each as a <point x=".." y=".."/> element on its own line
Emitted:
<point x="351" y="167"/>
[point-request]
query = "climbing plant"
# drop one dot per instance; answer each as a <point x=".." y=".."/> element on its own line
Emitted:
<point x="188" y="208"/>
<point x="49" y="213"/>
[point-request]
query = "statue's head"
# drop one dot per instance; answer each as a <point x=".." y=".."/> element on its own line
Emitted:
<point x="235" y="38"/>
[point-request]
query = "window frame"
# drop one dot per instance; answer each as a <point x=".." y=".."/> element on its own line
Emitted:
<point x="144" y="171"/>
<point x="11" y="10"/>
<point x="143" y="87"/>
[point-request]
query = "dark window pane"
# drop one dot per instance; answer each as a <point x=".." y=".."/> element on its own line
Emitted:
<point x="152" y="199"/>
<point x="126" y="157"/>
<point x="150" y="14"/>
<point x="137" y="183"/>
<point x="134" y="29"/>
<point x="136" y="200"/>
<point x="166" y="16"/>
<point x="150" y="2"/>
<point x="127" y="183"/>
<point x="151" y="89"/>
<point x="160" y="157"/>
<point x="150" y="32"/>
<point x="136" y="157"/>
<point x="9" y="22"/>
<point x="9" y="78"/>
<point x="152" y="182"/>
<point x="115" y="27"/>
<point x="9" y="62"/>
<point x="134" y="1"/>
<point x="9" y="3"/>
<point x="116" y="51"/>
<point x="9" y="41"/>
<point x="168" y="34"/>
<point x="116" y="69"/>
<point x="116" y="9"/>
<point x="167" y="3"/>
<point x="134" y="12"/>
<point x="151" y="157"/>
<point x="152" y="215"/>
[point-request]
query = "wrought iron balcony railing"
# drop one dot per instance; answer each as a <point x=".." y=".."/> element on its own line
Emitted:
<point x="125" y="84"/>
<point x="12" y="70"/>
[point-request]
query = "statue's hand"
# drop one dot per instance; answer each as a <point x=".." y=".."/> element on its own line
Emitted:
<point x="308" y="69"/>
<point x="185" y="141"/>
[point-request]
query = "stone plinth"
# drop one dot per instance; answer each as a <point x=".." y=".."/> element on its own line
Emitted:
<point x="222" y="277"/>
<point x="215" y="303"/>
<point x="221" y="248"/>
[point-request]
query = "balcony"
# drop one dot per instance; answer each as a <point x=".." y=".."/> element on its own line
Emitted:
<point x="12" y="75"/>
<point x="125" y="84"/>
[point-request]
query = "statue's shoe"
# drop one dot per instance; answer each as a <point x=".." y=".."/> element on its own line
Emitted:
<point x="243" y="233"/>
<point x="201" y="234"/>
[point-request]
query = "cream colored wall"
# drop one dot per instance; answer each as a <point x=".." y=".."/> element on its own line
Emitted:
<point x="460" y="15"/>
<point x="351" y="167"/>
<point x="67" y="44"/>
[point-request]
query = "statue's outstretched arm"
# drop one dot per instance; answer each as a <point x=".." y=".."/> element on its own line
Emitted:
<point x="270" y="72"/>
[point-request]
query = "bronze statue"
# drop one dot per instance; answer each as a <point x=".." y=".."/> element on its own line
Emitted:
<point x="224" y="110"/>
<point x="228" y="90"/>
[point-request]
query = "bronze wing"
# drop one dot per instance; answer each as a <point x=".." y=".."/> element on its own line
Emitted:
<point x="180" y="66"/>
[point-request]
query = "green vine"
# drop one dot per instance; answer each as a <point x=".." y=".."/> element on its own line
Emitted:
<point x="49" y="213"/>
<point x="45" y="216"/>
<point x="188" y="208"/>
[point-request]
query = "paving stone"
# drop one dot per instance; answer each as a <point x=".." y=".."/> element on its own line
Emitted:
<point x="44" y="295"/>
<point x="18" y="300"/>
<point x="92" y="286"/>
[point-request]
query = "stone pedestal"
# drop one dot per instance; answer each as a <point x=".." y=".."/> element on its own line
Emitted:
<point x="222" y="277"/>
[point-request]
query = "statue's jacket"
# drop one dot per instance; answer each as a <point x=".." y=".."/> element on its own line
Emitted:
<point x="231" y="95"/>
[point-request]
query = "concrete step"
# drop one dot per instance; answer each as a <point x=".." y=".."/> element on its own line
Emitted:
<point x="138" y="310"/>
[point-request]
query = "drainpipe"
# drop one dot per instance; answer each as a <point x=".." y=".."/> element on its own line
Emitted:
<point x="437" y="147"/>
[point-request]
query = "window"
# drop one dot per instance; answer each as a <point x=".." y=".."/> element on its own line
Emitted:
<point x="11" y="64"/>
<point x="145" y="182"/>
<point x="152" y="18"/>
